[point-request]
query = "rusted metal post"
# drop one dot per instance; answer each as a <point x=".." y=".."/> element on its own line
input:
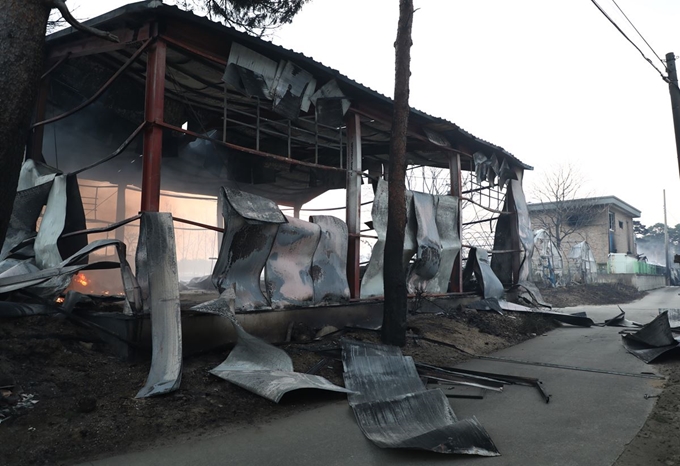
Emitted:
<point x="353" y="213"/>
<point x="153" y="134"/>
<point x="456" y="283"/>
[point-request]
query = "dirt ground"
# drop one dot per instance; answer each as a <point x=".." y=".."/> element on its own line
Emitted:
<point x="591" y="294"/>
<point x="64" y="398"/>
<point x="658" y="442"/>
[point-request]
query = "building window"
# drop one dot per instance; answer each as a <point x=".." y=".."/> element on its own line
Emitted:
<point x="611" y="220"/>
<point x="620" y="224"/>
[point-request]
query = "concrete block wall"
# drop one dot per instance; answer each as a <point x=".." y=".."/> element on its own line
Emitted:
<point x="597" y="234"/>
<point x="624" y="240"/>
<point x="641" y="282"/>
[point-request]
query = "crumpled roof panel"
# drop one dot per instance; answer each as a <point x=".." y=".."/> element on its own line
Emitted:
<point x="121" y="17"/>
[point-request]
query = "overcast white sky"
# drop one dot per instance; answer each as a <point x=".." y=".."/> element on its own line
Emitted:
<point x="550" y="81"/>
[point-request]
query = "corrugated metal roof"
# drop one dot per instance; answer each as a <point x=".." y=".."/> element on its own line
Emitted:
<point x="145" y="8"/>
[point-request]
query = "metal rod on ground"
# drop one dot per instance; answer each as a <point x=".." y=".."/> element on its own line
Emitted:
<point x="317" y="366"/>
<point x="465" y="384"/>
<point x="573" y="368"/>
<point x="544" y="364"/>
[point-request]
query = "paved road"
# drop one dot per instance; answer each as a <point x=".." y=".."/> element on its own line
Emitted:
<point x="589" y="420"/>
<point x="641" y="311"/>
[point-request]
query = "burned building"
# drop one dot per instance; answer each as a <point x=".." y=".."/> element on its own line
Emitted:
<point x="224" y="132"/>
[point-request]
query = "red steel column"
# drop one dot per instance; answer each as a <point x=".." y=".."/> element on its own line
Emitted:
<point x="353" y="213"/>
<point x="153" y="134"/>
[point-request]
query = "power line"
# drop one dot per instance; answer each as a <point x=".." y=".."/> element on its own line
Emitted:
<point x="629" y="40"/>
<point x="639" y="34"/>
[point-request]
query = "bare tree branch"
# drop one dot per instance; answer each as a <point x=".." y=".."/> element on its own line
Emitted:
<point x="566" y="209"/>
<point x="66" y="14"/>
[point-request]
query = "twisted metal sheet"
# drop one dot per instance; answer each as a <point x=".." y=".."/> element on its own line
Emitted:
<point x="251" y="226"/>
<point x="157" y="268"/>
<point x="287" y="271"/>
<point x="395" y="410"/>
<point x="372" y="281"/>
<point x="329" y="265"/>
<point x="259" y="367"/>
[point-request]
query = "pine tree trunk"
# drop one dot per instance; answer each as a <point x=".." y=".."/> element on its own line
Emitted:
<point x="394" y="312"/>
<point x="22" y="41"/>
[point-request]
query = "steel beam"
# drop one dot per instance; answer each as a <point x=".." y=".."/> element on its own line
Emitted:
<point x="195" y="50"/>
<point x="198" y="40"/>
<point x="248" y="150"/>
<point x="153" y="134"/>
<point x="414" y="131"/>
<point x="353" y="205"/>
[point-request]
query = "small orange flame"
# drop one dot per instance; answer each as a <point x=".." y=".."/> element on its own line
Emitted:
<point x="60" y="300"/>
<point x="82" y="279"/>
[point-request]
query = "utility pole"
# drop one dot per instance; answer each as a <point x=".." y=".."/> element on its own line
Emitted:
<point x="665" y="237"/>
<point x="675" y="99"/>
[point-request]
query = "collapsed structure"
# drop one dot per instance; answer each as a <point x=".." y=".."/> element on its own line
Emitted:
<point x="181" y="146"/>
<point x="183" y="107"/>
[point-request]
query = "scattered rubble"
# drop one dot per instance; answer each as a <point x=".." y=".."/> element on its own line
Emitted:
<point x="45" y="356"/>
<point x="652" y="340"/>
